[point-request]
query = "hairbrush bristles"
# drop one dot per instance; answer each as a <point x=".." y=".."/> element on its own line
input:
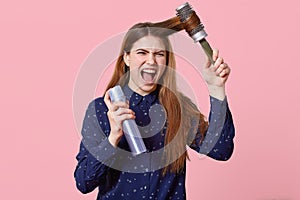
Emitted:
<point x="191" y="22"/>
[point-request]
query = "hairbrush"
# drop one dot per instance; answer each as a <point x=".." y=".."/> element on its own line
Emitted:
<point x="193" y="26"/>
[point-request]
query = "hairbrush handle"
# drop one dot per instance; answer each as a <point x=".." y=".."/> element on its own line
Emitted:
<point x="194" y="27"/>
<point x="207" y="49"/>
<point x="131" y="131"/>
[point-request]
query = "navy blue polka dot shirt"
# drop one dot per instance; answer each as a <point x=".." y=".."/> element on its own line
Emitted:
<point x="119" y="175"/>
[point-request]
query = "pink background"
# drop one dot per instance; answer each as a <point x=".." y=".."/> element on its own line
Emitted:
<point x="43" y="45"/>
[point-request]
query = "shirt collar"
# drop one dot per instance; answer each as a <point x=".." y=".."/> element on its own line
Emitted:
<point x="135" y="98"/>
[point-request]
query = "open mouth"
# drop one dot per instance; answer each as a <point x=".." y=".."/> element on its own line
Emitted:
<point x="148" y="75"/>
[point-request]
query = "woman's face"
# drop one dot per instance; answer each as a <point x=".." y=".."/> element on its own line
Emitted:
<point x="147" y="61"/>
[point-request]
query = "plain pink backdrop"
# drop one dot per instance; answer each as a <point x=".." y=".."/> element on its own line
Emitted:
<point x="44" y="43"/>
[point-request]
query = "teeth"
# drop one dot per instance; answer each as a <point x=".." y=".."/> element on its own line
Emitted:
<point x="150" y="71"/>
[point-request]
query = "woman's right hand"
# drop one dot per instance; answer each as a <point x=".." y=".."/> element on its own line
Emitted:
<point x="117" y="113"/>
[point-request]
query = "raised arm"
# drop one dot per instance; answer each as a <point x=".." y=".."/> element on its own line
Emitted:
<point x="218" y="141"/>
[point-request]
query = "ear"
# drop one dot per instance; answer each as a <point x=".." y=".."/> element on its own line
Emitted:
<point x="126" y="58"/>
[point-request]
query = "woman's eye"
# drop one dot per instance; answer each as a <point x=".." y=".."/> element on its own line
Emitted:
<point x="141" y="53"/>
<point x="160" y="54"/>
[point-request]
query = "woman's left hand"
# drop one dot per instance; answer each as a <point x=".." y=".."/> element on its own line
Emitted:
<point x="217" y="74"/>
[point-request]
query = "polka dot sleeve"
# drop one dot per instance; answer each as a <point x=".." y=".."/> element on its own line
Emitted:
<point x="96" y="153"/>
<point x="218" y="141"/>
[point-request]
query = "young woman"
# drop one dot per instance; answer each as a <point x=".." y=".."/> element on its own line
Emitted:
<point x="167" y="119"/>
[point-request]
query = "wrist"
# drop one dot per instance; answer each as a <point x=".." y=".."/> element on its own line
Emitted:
<point x="217" y="92"/>
<point x="113" y="140"/>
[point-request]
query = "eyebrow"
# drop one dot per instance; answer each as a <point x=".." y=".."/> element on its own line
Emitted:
<point x="159" y="51"/>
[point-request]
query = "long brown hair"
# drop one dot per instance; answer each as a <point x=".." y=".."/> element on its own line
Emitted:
<point x="171" y="99"/>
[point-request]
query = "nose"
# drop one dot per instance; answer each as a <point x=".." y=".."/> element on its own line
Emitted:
<point x="151" y="59"/>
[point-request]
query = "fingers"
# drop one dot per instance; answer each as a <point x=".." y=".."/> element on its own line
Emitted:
<point x="107" y="99"/>
<point x="215" y="54"/>
<point x="217" y="63"/>
<point x="216" y="73"/>
<point x="117" y="105"/>
<point x="122" y="114"/>
<point x="117" y="117"/>
<point x="113" y="106"/>
<point x="224" y="72"/>
<point x="118" y="111"/>
<point x="220" y="67"/>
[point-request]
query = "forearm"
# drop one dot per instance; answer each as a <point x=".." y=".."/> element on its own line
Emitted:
<point x="218" y="142"/>
<point x="224" y="146"/>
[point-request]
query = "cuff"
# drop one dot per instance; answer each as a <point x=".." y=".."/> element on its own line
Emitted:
<point x="218" y="106"/>
<point x="105" y="152"/>
<point x="217" y="117"/>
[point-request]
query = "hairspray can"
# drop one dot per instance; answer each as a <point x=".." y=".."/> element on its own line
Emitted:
<point x="131" y="131"/>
